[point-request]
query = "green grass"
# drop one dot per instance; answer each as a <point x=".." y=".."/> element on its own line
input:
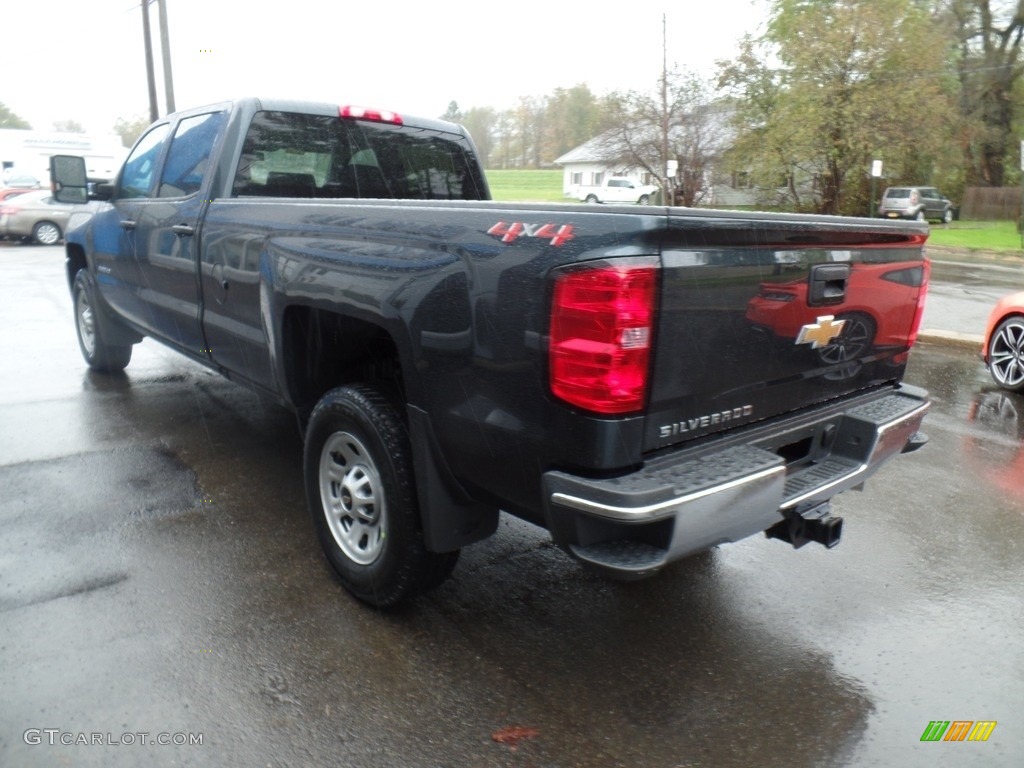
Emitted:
<point x="979" y="237"/>
<point x="526" y="186"/>
<point x="997" y="236"/>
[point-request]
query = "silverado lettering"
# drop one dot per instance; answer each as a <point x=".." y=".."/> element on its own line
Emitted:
<point x="668" y="430"/>
<point x="342" y="262"/>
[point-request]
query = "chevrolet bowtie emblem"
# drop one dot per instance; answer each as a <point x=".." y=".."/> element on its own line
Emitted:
<point x="821" y="333"/>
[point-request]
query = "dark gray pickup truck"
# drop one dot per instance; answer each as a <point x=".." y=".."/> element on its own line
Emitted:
<point x="644" y="383"/>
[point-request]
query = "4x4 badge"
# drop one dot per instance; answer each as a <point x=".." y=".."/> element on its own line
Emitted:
<point x="821" y="333"/>
<point x="558" y="235"/>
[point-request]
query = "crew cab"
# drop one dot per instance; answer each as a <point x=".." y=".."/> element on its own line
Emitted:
<point x="618" y="376"/>
<point x="616" y="189"/>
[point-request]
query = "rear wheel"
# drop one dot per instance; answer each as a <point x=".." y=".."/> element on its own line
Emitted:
<point x="46" y="233"/>
<point x="98" y="354"/>
<point x="362" y="497"/>
<point x="921" y="215"/>
<point x="854" y="341"/>
<point x="644" y="200"/>
<point x="1006" y="354"/>
<point x="591" y="198"/>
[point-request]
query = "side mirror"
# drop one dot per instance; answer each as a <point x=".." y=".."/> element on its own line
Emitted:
<point x="67" y="178"/>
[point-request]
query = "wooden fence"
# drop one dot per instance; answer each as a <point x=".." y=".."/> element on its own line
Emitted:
<point x="991" y="204"/>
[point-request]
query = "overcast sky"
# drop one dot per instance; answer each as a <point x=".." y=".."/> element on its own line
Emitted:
<point x="83" y="59"/>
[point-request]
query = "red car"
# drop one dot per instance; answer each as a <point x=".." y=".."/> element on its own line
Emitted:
<point x="1003" y="348"/>
<point x="880" y="309"/>
<point x="9" y="192"/>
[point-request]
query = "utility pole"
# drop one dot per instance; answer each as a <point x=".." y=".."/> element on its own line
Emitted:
<point x="667" y="190"/>
<point x="165" y="48"/>
<point x="150" y="77"/>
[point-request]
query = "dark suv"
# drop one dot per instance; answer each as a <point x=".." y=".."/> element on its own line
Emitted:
<point x="921" y="203"/>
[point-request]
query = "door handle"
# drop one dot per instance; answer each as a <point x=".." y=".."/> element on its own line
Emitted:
<point x="183" y="230"/>
<point x="127" y="224"/>
<point x="827" y="284"/>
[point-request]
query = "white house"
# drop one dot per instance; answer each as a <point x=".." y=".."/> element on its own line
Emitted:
<point x="28" y="152"/>
<point x="587" y="166"/>
<point x="709" y="132"/>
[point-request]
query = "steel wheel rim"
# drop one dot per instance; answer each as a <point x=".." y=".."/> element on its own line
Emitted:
<point x="86" y="323"/>
<point x="47" y="234"/>
<point x="1007" y="357"/>
<point x="352" y="498"/>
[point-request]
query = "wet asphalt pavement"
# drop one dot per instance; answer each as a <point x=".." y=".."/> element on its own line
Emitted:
<point x="159" y="576"/>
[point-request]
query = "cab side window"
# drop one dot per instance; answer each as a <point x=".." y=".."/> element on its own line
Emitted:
<point x="138" y="175"/>
<point x="188" y="158"/>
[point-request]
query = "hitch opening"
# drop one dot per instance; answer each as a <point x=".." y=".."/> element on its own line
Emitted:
<point x="808" y="522"/>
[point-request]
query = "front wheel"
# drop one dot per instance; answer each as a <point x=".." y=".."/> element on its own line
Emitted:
<point x="1006" y="354"/>
<point x="947" y="216"/>
<point x="644" y="200"/>
<point x="362" y="497"/>
<point x="98" y="354"/>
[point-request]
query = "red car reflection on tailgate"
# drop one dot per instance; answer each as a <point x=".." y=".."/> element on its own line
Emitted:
<point x="880" y="308"/>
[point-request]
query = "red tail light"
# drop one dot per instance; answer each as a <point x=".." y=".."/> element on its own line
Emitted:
<point x="926" y="268"/>
<point x="601" y="333"/>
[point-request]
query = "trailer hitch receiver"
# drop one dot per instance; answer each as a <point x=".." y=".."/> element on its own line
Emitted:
<point x="809" y="522"/>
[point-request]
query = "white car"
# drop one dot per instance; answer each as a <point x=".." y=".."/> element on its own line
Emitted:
<point x="618" y="189"/>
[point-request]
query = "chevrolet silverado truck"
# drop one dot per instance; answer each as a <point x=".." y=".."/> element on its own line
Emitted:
<point x="616" y="189"/>
<point x="644" y="384"/>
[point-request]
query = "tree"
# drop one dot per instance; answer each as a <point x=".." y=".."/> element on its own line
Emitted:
<point x="834" y="84"/>
<point x="678" y="123"/>
<point x="453" y="114"/>
<point x="68" y="126"/>
<point x="130" y="130"/>
<point x="989" y="67"/>
<point x="10" y="120"/>
<point x="481" y="123"/>
<point x="572" y="116"/>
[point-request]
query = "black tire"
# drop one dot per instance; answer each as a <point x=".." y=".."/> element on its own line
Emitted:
<point x="362" y="497"/>
<point x="100" y="356"/>
<point x="1005" y="354"/>
<point x="921" y="216"/>
<point x="46" y="233"/>
<point x="947" y="216"/>
<point x="591" y="198"/>
<point x="644" y="200"/>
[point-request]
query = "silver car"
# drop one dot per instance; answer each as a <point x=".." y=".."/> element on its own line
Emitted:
<point x="920" y="203"/>
<point x="35" y="216"/>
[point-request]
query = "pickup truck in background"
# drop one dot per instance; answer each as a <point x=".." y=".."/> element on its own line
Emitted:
<point x="644" y="384"/>
<point x="616" y="189"/>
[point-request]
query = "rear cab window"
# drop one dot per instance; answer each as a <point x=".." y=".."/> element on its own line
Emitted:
<point x="137" y="177"/>
<point x="189" y="155"/>
<point x="289" y="154"/>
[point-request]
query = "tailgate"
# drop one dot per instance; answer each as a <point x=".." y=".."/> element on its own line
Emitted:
<point x="763" y="315"/>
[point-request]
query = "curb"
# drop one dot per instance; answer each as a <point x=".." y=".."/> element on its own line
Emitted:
<point x="972" y="341"/>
